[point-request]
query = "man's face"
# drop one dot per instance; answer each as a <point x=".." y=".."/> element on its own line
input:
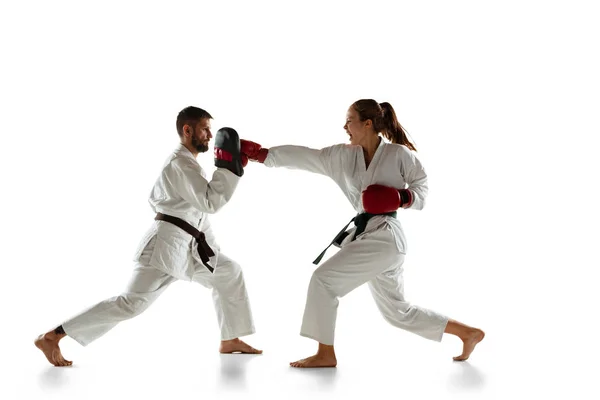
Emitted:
<point x="201" y="135"/>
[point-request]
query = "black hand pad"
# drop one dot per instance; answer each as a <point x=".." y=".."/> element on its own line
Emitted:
<point x="227" y="151"/>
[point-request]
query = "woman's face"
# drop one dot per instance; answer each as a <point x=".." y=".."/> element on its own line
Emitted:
<point x="355" y="128"/>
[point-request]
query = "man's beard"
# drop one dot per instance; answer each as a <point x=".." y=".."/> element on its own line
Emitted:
<point x="201" y="147"/>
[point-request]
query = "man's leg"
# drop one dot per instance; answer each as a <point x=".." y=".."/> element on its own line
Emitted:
<point x="146" y="285"/>
<point x="231" y="303"/>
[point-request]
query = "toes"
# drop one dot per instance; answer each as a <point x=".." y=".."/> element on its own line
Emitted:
<point x="66" y="363"/>
<point x="251" y="350"/>
<point x="246" y="348"/>
<point x="59" y="361"/>
<point x="243" y="350"/>
<point x="300" y="363"/>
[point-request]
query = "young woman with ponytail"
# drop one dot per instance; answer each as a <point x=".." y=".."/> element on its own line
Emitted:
<point x="378" y="178"/>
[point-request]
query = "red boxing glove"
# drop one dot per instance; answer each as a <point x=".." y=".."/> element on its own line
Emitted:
<point x="379" y="199"/>
<point x="253" y="151"/>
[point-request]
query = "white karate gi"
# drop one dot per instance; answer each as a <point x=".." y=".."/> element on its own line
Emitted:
<point x="167" y="253"/>
<point x="377" y="255"/>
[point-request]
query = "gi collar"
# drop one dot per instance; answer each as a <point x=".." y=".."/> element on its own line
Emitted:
<point x="184" y="151"/>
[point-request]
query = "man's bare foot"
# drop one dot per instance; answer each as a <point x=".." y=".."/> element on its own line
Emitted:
<point x="470" y="340"/>
<point x="316" y="361"/>
<point x="470" y="337"/>
<point x="237" y="346"/>
<point x="324" y="358"/>
<point x="48" y="344"/>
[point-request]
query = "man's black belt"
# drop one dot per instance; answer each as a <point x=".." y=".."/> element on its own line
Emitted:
<point x="360" y="221"/>
<point x="204" y="249"/>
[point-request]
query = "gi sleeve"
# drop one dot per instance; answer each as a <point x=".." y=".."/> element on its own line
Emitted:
<point x="208" y="197"/>
<point x="304" y="158"/>
<point x="416" y="178"/>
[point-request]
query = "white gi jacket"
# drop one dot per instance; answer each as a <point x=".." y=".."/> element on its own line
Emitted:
<point x="393" y="165"/>
<point x="182" y="191"/>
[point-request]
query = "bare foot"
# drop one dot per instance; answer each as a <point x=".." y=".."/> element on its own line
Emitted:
<point x="470" y="340"/>
<point x="316" y="361"/>
<point x="237" y="346"/>
<point x="48" y="344"/>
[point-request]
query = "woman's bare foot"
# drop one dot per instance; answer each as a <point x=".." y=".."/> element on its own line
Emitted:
<point x="470" y="337"/>
<point x="237" y="346"/>
<point x="325" y="358"/>
<point x="48" y="344"/>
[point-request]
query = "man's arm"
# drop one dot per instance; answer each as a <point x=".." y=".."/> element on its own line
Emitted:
<point x="208" y="197"/>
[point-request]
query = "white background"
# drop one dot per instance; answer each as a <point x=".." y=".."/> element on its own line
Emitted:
<point x="501" y="99"/>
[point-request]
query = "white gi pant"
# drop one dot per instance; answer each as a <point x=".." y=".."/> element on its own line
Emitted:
<point x="148" y="283"/>
<point x="376" y="259"/>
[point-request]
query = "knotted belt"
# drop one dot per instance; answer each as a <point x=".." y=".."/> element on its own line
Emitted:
<point x="204" y="249"/>
<point x="360" y="221"/>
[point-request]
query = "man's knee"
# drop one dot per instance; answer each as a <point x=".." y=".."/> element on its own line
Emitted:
<point x="132" y="305"/>
<point x="228" y="272"/>
<point x="321" y="279"/>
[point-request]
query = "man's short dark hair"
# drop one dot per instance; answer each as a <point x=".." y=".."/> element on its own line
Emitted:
<point x="190" y="115"/>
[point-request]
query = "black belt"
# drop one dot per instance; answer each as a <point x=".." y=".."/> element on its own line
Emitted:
<point x="361" y="223"/>
<point x="203" y="248"/>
